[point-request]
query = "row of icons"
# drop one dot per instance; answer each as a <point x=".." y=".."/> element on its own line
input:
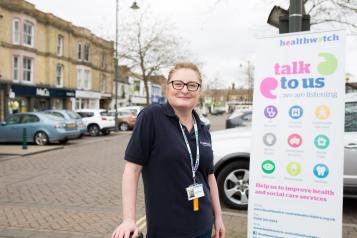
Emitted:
<point x="295" y="140"/>
<point x="322" y="112"/>
<point x="320" y="171"/>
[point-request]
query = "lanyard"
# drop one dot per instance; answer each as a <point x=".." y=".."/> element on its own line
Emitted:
<point x="193" y="167"/>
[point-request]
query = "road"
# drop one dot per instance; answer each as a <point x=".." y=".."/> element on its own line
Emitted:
<point x="75" y="192"/>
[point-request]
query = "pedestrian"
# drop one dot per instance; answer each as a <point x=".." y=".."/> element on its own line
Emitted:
<point x="172" y="150"/>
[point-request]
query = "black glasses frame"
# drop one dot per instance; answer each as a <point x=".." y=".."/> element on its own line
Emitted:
<point x="197" y="85"/>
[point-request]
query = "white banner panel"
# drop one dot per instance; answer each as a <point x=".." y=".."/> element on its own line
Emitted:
<point x="296" y="167"/>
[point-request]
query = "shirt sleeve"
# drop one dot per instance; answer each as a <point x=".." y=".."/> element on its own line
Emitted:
<point x="142" y="140"/>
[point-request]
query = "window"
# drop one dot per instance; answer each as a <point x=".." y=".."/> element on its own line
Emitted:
<point x="79" y="51"/>
<point x="27" y="69"/>
<point x="103" y="61"/>
<point x="87" y="79"/>
<point x="59" y="75"/>
<point x="84" y="79"/>
<point x="86" y="52"/>
<point x="29" y="119"/>
<point x="60" y="40"/>
<point x="28" y="34"/>
<point x="16" y="68"/>
<point x="351" y="117"/>
<point x="16" y="31"/>
<point x="14" y="119"/>
<point x="103" y="83"/>
<point x="86" y="114"/>
<point x="79" y="78"/>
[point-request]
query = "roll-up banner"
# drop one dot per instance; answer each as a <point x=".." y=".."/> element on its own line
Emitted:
<point x="296" y="167"/>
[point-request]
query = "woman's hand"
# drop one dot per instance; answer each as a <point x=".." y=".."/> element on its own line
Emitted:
<point x="124" y="230"/>
<point x="219" y="229"/>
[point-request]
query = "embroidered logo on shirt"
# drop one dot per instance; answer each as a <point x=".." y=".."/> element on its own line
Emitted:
<point x="205" y="143"/>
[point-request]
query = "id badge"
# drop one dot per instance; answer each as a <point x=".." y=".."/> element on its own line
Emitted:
<point x="195" y="191"/>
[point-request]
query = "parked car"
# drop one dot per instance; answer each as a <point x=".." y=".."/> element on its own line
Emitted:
<point x="97" y="120"/>
<point x="70" y="116"/>
<point x="239" y="118"/>
<point x="232" y="154"/>
<point x="134" y="109"/>
<point x="126" y="119"/>
<point x="217" y="111"/>
<point x="203" y="119"/>
<point x="41" y="128"/>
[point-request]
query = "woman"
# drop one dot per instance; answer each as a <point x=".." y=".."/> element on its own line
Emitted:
<point x="181" y="195"/>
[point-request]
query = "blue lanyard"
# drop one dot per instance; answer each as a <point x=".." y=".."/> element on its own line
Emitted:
<point x="193" y="167"/>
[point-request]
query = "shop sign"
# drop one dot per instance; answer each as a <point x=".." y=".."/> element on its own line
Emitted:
<point x="42" y="92"/>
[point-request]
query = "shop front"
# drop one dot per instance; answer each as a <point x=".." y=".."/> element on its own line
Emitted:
<point x="87" y="100"/>
<point x="32" y="99"/>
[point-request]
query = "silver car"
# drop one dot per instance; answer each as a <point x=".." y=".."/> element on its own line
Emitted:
<point x="232" y="148"/>
<point x="41" y="128"/>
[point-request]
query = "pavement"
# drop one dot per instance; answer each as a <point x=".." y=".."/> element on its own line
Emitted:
<point x="75" y="192"/>
<point x="6" y="150"/>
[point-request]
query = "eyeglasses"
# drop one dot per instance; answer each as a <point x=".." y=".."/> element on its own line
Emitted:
<point x="191" y="86"/>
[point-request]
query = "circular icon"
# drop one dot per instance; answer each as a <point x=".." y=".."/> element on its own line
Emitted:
<point x="322" y="142"/>
<point x="268" y="167"/>
<point x="269" y="139"/>
<point x="270" y="112"/>
<point x="295" y="140"/>
<point x="322" y="112"/>
<point x="295" y="112"/>
<point x="321" y="171"/>
<point x="267" y="86"/>
<point x="294" y="168"/>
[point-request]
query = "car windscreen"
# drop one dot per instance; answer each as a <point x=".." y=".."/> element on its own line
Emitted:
<point x="73" y="115"/>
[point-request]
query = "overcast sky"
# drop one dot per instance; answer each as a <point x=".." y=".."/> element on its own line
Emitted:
<point x="222" y="35"/>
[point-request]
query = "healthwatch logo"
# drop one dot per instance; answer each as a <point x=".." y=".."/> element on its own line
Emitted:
<point x="286" y="76"/>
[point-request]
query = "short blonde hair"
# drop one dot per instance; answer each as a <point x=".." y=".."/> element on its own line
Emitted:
<point x="185" y="65"/>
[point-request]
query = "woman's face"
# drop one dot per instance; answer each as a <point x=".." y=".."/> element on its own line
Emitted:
<point x="183" y="99"/>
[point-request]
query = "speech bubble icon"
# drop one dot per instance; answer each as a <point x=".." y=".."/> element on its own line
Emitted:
<point x="329" y="66"/>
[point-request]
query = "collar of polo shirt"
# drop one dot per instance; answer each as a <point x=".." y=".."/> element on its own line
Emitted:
<point x="169" y="111"/>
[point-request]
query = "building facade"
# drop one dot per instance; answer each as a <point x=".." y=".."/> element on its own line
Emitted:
<point x="48" y="63"/>
<point x="131" y="89"/>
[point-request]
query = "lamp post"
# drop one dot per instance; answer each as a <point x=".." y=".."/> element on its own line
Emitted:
<point x="116" y="60"/>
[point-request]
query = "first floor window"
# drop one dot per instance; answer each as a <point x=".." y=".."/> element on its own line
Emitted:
<point x="84" y="79"/>
<point x="103" y="83"/>
<point x="59" y="75"/>
<point x="27" y="69"/>
<point x="16" y="68"/>
<point x="87" y="79"/>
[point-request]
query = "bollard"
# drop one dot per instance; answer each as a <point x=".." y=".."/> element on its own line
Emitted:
<point x="24" y="139"/>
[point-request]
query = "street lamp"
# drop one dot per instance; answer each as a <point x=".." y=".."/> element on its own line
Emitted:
<point x="116" y="61"/>
<point x="292" y="20"/>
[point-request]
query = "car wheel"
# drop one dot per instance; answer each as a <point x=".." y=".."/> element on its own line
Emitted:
<point x="93" y="130"/>
<point x="233" y="184"/>
<point x="41" y="138"/>
<point x="124" y="126"/>
<point x="106" y="132"/>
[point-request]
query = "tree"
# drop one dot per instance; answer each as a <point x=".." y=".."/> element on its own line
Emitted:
<point x="336" y="12"/>
<point x="148" y="46"/>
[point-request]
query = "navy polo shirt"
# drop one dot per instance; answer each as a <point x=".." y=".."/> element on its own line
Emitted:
<point x="158" y="145"/>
